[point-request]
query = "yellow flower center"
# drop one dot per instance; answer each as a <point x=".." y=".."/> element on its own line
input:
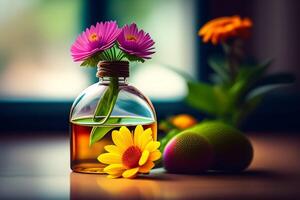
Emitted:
<point x="131" y="157"/>
<point x="131" y="38"/>
<point x="93" y="37"/>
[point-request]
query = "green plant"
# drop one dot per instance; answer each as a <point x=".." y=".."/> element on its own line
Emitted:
<point x="232" y="99"/>
<point x="236" y="87"/>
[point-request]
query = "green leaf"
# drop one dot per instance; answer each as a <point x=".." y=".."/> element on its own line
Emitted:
<point x="219" y="66"/>
<point x="251" y="74"/>
<point x="164" y="141"/>
<point x="263" y="90"/>
<point x="255" y="94"/>
<point x="85" y="63"/>
<point x="240" y="113"/>
<point x="107" y="101"/>
<point x="97" y="133"/>
<point x="216" y="79"/>
<point x="202" y="96"/>
<point x="245" y="79"/>
<point x="166" y="125"/>
<point x="91" y="61"/>
<point x="104" y="109"/>
<point x="222" y="98"/>
<point x="269" y="83"/>
<point x="133" y="58"/>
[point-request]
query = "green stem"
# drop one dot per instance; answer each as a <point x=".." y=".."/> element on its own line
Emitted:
<point x="108" y="53"/>
<point x="107" y="102"/>
<point x="232" y="60"/>
<point x="122" y="56"/>
<point x="118" y="55"/>
<point x="105" y="55"/>
<point x="114" y="53"/>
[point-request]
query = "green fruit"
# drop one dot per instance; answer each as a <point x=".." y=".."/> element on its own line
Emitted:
<point x="233" y="151"/>
<point x="188" y="153"/>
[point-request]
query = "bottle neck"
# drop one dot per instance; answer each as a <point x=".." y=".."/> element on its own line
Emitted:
<point x="107" y="80"/>
<point x="113" y="71"/>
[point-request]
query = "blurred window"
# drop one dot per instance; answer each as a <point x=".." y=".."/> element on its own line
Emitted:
<point x="35" y="40"/>
<point x="171" y="23"/>
<point x="36" y="36"/>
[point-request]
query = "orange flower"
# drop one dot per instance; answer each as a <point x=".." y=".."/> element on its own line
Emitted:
<point x="183" y="121"/>
<point x="220" y="29"/>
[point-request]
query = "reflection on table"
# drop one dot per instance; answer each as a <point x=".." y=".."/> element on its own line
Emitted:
<point x="38" y="168"/>
<point x="274" y="173"/>
<point x="91" y="185"/>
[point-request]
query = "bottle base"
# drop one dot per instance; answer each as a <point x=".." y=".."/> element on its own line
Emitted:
<point x="88" y="168"/>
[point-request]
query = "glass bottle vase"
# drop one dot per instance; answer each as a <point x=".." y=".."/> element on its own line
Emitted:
<point x="131" y="108"/>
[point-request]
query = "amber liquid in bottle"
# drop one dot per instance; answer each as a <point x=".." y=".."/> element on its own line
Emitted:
<point x="84" y="156"/>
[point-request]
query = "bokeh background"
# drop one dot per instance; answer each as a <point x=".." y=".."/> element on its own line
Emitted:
<point x="39" y="80"/>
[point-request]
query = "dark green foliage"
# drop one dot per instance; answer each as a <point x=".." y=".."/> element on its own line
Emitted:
<point x="231" y="99"/>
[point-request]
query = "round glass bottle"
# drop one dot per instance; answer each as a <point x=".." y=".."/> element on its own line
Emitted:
<point x="131" y="108"/>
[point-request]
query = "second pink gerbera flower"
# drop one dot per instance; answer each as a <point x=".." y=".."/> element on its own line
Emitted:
<point x="95" y="39"/>
<point x="136" y="42"/>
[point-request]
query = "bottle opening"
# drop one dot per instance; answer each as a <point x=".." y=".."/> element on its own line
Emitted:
<point x="113" y="69"/>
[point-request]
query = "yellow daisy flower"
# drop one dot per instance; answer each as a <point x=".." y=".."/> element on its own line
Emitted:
<point x="131" y="154"/>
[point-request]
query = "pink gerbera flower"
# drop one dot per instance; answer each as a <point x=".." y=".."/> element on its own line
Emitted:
<point x="95" y="39"/>
<point x="136" y="42"/>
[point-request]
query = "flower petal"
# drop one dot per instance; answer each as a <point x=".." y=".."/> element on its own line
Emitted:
<point x="130" y="173"/>
<point x="117" y="139"/>
<point x="114" y="176"/>
<point x="144" y="157"/>
<point x="145" y="138"/>
<point x="138" y="47"/>
<point x="152" y="146"/>
<point x="155" y="155"/>
<point x="116" y="172"/>
<point x="137" y="134"/>
<point x="83" y="47"/>
<point x="146" y="167"/>
<point x="113" y="149"/>
<point x="114" y="169"/>
<point x="126" y="136"/>
<point x="109" y="158"/>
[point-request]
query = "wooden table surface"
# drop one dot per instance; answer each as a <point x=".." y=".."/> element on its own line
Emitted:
<point x="37" y="167"/>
